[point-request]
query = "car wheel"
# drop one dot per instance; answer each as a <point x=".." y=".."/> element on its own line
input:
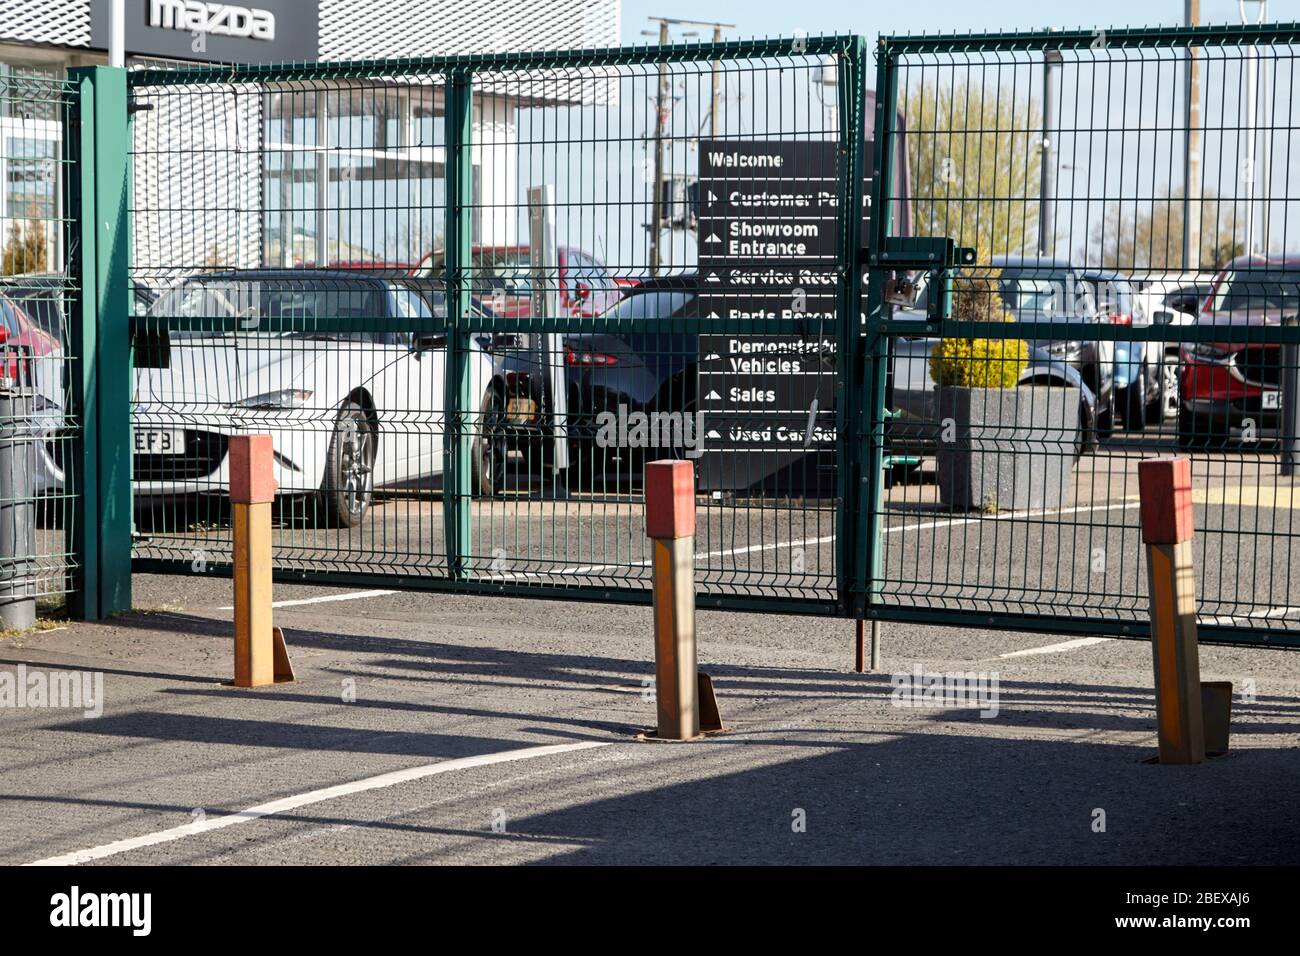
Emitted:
<point x="491" y="447"/>
<point x="1169" y="386"/>
<point x="347" y="488"/>
<point x="1188" y="437"/>
<point x="1154" y="412"/>
<point x="587" y="463"/>
<point x="1087" y="443"/>
<point x="1135" y="398"/>
<point x="1105" y="423"/>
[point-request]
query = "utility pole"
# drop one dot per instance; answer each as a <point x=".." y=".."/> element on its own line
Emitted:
<point x="661" y="99"/>
<point x="715" y="110"/>
<point x="656" y="223"/>
<point x="1252" y="120"/>
<point x="1047" y="186"/>
<point x="1192" y="156"/>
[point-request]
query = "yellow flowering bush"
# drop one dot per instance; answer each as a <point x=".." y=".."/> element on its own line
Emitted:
<point x="978" y="363"/>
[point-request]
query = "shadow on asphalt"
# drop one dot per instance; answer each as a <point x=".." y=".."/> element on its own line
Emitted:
<point x="503" y="668"/>
<point x="934" y="799"/>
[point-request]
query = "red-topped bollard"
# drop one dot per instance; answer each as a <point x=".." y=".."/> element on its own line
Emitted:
<point x="681" y="692"/>
<point x="261" y="657"/>
<point x="670" y="525"/>
<point x="1165" y="486"/>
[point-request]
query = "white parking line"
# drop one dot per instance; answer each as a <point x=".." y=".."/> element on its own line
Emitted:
<point x="1012" y="515"/>
<point x="1060" y="648"/>
<point x="286" y="804"/>
<point x="349" y="596"/>
<point x="1270" y="612"/>
<point x="812" y="542"/>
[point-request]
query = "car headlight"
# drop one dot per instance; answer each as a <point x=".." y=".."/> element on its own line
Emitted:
<point x="284" y="398"/>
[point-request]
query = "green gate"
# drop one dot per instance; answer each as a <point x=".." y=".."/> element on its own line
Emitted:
<point x="433" y="283"/>
<point x="1032" y="243"/>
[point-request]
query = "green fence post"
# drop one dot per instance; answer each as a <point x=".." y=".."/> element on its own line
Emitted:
<point x="852" y="104"/>
<point x="869" y="539"/>
<point x="458" y="406"/>
<point x="100" y="340"/>
<point x="80" y="471"/>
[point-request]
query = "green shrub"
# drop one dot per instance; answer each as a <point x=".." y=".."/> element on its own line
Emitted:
<point x="972" y="362"/>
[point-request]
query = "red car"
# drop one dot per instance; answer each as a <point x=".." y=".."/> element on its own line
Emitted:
<point x="502" y="280"/>
<point x="1233" y="389"/>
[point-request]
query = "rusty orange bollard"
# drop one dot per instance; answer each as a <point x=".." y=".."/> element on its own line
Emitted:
<point x="1165" y="485"/>
<point x="261" y="657"/>
<point x="684" y="697"/>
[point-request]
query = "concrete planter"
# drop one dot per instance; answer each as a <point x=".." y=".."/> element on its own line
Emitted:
<point x="1007" y="449"/>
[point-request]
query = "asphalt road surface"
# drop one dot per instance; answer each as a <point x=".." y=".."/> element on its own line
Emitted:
<point x="448" y="728"/>
<point x="426" y="728"/>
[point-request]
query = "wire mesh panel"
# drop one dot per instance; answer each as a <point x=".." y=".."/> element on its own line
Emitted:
<point x="1133" y="290"/>
<point x="276" y="227"/>
<point x="38" y="364"/>
<point x="471" y="298"/>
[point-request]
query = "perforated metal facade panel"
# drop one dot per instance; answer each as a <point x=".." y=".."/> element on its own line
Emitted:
<point x="64" y="23"/>
<point x="352" y="29"/>
<point x="356" y="29"/>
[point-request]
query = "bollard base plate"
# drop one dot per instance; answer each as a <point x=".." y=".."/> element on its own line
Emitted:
<point x="282" y="666"/>
<point x="1154" y="759"/>
<point x="710" y="717"/>
<point x="652" y="736"/>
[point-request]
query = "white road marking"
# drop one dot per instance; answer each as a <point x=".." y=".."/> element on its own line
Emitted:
<point x="1012" y="515"/>
<point x="811" y="542"/>
<point x="286" y="804"/>
<point x="1060" y="648"/>
<point x="349" y="596"/>
<point x="1275" y="612"/>
<point x="1269" y="612"/>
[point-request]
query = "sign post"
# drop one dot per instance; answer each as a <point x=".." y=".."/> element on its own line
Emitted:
<point x="544" y="262"/>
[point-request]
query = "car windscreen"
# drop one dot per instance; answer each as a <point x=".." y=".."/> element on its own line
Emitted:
<point x="1050" y="293"/>
<point x="1114" y="296"/>
<point x="43" y="305"/>
<point x="491" y="270"/>
<point x="651" y="304"/>
<point x="1257" y="290"/>
<point x="508" y="272"/>
<point x="309" y="308"/>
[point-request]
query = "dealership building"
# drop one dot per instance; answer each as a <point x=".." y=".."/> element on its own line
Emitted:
<point x="298" y="170"/>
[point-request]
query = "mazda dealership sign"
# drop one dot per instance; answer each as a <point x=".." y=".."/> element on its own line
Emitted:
<point x="261" y="32"/>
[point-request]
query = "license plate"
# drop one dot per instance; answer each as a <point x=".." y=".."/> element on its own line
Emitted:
<point x="1271" y="399"/>
<point x="159" y="441"/>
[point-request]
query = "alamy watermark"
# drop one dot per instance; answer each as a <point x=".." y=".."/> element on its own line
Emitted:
<point x="133" y="911"/>
<point x="958" y="690"/>
<point x="56" y="690"/>
<point x="627" y="429"/>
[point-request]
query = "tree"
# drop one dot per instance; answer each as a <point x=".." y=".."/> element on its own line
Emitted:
<point x="1130" y="238"/>
<point x="25" y="249"/>
<point x="973" y="154"/>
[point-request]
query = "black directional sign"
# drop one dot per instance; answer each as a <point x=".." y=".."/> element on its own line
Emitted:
<point x="767" y="249"/>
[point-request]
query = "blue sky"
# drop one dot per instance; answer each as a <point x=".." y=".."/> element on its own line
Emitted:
<point x="782" y="17"/>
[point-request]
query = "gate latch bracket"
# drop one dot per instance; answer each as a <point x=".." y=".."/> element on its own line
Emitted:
<point x="904" y="256"/>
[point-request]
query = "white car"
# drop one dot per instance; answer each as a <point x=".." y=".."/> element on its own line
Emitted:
<point x="1173" y="299"/>
<point x="348" y="411"/>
